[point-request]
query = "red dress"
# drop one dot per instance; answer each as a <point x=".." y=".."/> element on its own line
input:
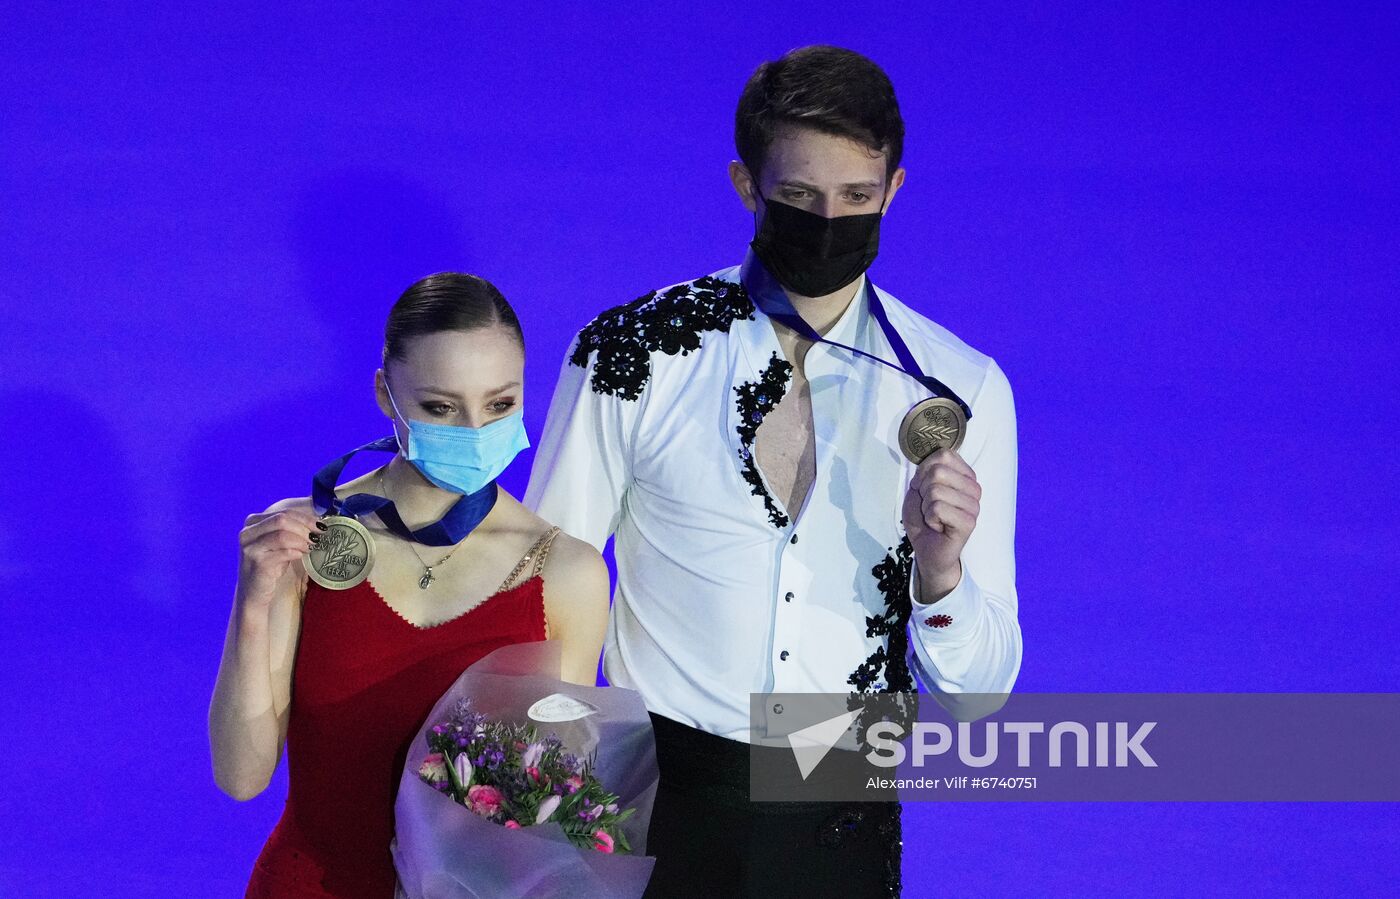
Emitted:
<point x="365" y="678"/>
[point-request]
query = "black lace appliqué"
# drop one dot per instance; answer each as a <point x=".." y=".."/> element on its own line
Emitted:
<point x="886" y="672"/>
<point x="670" y="320"/>
<point x="755" y="400"/>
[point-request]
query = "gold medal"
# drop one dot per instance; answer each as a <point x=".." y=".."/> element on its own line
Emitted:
<point x="930" y="426"/>
<point x="343" y="556"/>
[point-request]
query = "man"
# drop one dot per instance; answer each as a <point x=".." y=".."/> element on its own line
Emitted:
<point x="770" y="534"/>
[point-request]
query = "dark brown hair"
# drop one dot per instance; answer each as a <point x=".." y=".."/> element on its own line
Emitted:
<point x="828" y="88"/>
<point x="447" y="301"/>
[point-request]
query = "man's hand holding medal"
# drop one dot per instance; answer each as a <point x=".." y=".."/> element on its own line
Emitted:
<point x="941" y="505"/>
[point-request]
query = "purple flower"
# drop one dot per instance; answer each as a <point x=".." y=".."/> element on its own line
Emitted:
<point x="463" y="767"/>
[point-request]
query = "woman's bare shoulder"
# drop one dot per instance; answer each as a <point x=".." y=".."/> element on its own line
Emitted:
<point x="569" y="553"/>
<point x="566" y="553"/>
<point x="574" y="571"/>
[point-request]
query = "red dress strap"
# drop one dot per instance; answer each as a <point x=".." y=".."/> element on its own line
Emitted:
<point x="537" y="553"/>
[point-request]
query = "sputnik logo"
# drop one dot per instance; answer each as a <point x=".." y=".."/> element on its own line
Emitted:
<point x="811" y="744"/>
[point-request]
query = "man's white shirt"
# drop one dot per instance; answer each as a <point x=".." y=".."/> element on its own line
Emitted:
<point x="721" y="591"/>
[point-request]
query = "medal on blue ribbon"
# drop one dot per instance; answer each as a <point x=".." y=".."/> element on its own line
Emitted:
<point x="939" y="422"/>
<point x="344" y="555"/>
<point x="931" y="425"/>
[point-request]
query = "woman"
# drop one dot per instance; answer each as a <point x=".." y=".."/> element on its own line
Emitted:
<point x="345" y="677"/>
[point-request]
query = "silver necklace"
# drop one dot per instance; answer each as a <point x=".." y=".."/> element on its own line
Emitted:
<point x="428" y="576"/>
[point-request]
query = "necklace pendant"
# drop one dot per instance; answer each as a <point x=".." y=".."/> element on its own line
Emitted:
<point x="426" y="579"/>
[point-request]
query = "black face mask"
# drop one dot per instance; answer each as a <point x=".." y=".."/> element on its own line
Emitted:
<point x="813" y="255"/>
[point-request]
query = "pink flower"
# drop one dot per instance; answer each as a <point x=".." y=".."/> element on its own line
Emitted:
<point x="547" y="808"/>
<point x="575" y="783"/>
<point x="602" y="841"/>
<point x="433" y="769"/>
<point x="512" y="825"/>
<point x="534" y="774"/>
<point x="484" y="800"/>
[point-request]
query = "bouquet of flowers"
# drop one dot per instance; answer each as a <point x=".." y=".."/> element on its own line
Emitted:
<point x="491" y="803"/>
<point x="505" y="773"/>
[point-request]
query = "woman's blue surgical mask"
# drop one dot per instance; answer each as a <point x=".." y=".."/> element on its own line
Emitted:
<point x="459" y="458"/>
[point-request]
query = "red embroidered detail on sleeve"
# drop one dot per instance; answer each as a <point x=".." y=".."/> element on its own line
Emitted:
<point x="938" y="620"/>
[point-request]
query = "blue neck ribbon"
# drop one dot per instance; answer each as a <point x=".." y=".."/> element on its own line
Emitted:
<point x="460" y="520"/>
<point x="768" y="295"/>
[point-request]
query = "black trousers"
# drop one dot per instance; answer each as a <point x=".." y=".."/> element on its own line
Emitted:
<point x="711" y="841"/>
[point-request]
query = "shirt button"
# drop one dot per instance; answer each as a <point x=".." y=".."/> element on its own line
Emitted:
<point x="788" y="598"/>
<point x="783" y="655"/>
<point x="794" y="538"/>
<point x="777" y="708"/>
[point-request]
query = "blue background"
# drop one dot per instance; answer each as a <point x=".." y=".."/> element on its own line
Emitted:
<point x="1175" y="229"/>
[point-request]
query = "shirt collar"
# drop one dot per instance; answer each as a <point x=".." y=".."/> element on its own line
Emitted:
<point x="849" y="327"/>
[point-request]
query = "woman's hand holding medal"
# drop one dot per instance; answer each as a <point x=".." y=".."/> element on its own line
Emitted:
<point x="270" y="543"/>
<point x="940" y="512"/>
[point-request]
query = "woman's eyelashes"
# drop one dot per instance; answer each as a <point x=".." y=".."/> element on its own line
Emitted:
<point x="447" y="410"/>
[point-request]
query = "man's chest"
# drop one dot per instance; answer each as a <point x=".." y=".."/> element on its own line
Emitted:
<point x="785" y="448"/>
<point x="728" y="442"/>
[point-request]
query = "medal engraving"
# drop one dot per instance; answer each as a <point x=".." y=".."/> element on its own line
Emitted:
<point x="931" y="425"/>
<point x="344" y="555"/>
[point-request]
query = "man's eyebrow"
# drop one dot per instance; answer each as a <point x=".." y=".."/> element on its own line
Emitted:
<point x="790" y="182"/>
